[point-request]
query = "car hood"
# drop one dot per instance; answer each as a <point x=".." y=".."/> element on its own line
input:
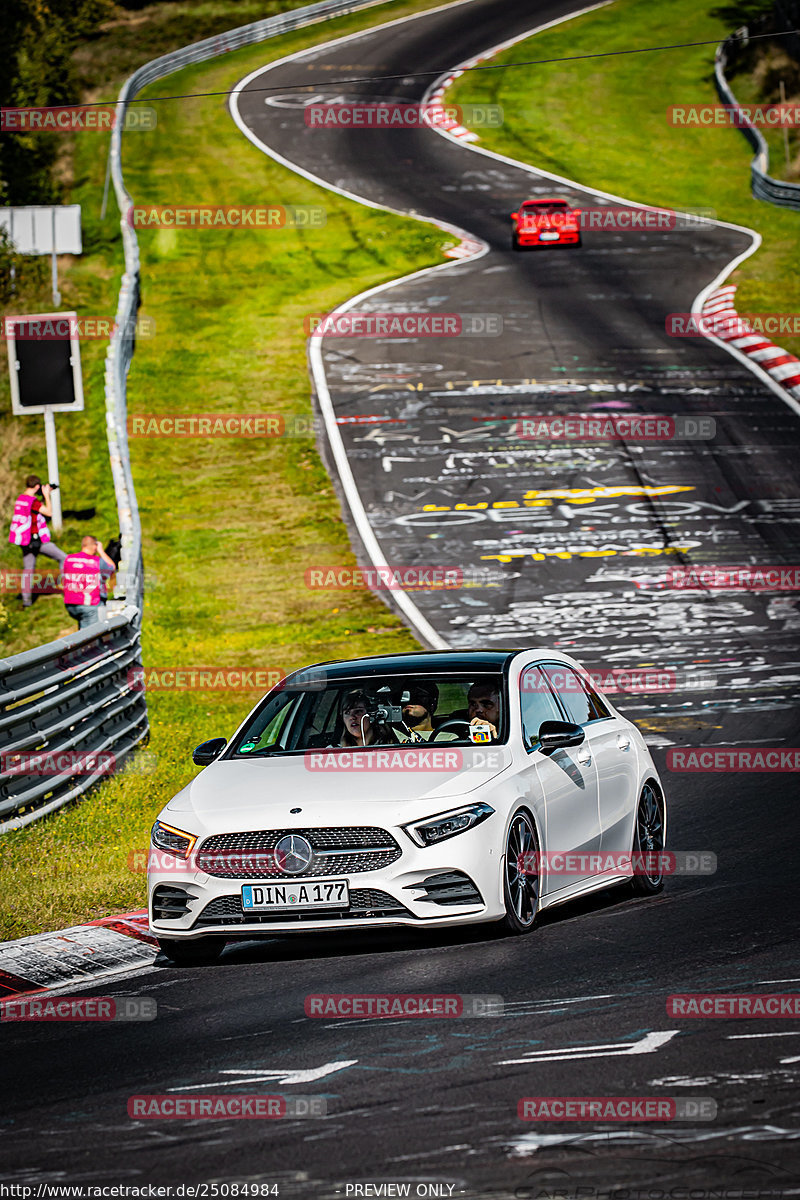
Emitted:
<point x="233" y="795"/>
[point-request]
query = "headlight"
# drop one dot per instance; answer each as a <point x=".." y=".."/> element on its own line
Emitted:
<point x="437" y="829"/>
<point x="166" y="837"/>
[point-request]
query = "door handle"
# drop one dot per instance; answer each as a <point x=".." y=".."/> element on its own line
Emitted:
<point x="623" y="741"/>
<point x="585" y="758"/>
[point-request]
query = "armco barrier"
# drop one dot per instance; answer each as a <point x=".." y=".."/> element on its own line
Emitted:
<point x="69" y="698"/>
<point x="72" y="695"/>
<point x="764" y="187"/>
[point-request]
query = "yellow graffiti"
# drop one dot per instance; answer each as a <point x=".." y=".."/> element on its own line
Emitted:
<point x="586" y="495"/>
<point x="539" y="499"/>
<point x="544" y="555"/>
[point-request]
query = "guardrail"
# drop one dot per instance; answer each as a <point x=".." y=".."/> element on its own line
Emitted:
<point x="72" y="696"/>
<point x="763" y="186"/>
<point x="61" y="704"/>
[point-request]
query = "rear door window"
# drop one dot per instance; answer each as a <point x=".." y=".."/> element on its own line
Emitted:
<point x="581" y="702"/>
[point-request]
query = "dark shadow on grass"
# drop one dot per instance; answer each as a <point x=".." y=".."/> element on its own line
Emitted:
<point x="79" y="514"/>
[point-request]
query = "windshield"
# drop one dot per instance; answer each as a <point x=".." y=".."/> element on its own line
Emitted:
<point x="361" y="712"/>
<point x="533" y="210"/>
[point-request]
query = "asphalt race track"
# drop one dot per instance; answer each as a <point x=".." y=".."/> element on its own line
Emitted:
<point x="435" y="1102"/>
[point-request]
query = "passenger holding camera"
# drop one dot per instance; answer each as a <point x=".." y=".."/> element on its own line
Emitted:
<point x="361" y="724"/>
<point x="29" y="531"/>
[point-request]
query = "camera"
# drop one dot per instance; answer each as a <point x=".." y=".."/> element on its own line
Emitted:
<point x="53" y="486"/>
<point x="385" y="711"/>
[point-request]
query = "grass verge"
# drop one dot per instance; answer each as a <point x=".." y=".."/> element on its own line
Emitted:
<point x="603" y="123"/>
<point x="230" y="525"/>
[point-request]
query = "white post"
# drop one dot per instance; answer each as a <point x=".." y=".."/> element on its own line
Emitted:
<point x="54" y="264"/>
<point x="52" y="467"/>
<point x="785" y="130"/>
<point x="105" y="186"/>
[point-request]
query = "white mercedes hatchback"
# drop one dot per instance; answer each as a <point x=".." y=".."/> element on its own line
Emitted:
<point x="423" y="789"/>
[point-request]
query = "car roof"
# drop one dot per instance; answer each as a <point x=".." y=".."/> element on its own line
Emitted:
<point x="455" y="662"/>
<point x="552" y="200"/>
<point x="414" y="662"/>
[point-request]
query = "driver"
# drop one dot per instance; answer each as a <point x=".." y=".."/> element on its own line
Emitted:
<point x="418" y="712"/>
<point x="483" y="703"/>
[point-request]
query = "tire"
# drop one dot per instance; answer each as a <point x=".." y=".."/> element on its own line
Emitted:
<point x="515" y="243"/>
<point x="197" y="953"/>
<point x="648" y="835"/>
<point x="520" y="888"/>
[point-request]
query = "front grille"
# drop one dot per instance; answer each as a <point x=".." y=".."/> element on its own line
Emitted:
<point x="170" y="903"/>
<point x="349" y="850"/>
<point x="449" y="887"/>
<point x="364" y="902"/>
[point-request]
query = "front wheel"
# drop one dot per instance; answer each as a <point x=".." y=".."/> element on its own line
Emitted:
<point x="521" y="875"/>
<point x="648" y="842"/>
<point x="196" y="953"/>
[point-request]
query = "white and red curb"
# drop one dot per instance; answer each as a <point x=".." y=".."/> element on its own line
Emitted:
<point x="783" y="367"/>
<point x="77" y="955"/>
<point x="442" y="120"/>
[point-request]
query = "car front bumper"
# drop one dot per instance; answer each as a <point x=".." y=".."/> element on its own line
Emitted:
<point x="457" y="882"/>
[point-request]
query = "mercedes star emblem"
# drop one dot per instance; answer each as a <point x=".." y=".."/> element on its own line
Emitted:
<point x="293" y="854"/>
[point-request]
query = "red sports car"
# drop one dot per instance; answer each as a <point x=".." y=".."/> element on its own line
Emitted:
<point x="542" y="223"/>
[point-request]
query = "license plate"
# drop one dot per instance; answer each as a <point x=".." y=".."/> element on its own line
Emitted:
<point x="329" y="893"/>
<point x="549" y="237"/>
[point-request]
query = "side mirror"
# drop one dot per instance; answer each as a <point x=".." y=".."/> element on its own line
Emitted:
<point x="556" y="734"/>
<point x="206" y="752"/>
<point x="514" y="216"/>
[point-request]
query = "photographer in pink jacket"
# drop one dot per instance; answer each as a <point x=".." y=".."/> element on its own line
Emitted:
<point x="29" y="531"/>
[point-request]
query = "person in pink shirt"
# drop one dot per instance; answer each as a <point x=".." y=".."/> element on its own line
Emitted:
<point x="83" y="578"/>
<point x="29" y="531"/>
